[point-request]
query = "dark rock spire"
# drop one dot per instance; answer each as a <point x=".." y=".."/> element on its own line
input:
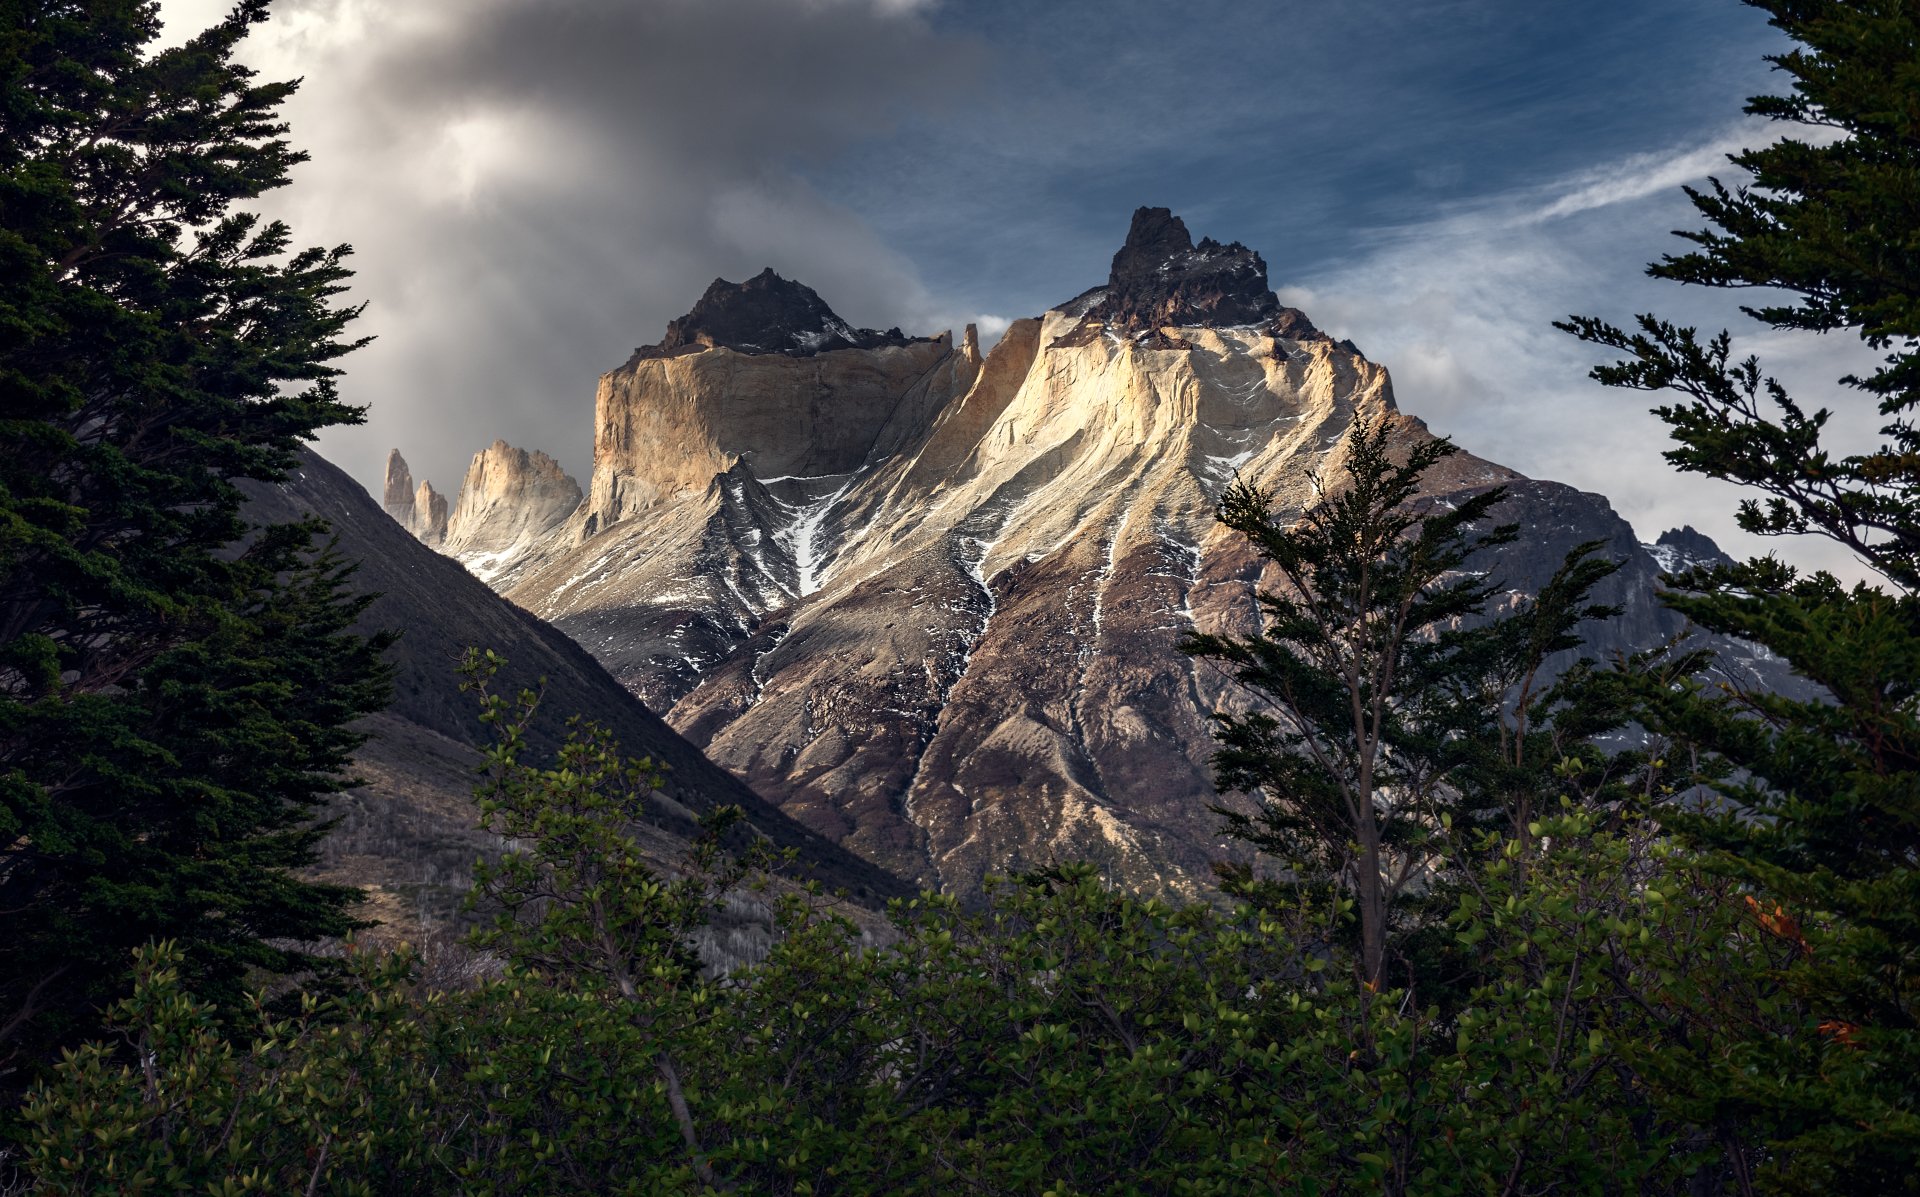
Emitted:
<point x="765" y="314"/>
<point x="1160" y="278"/>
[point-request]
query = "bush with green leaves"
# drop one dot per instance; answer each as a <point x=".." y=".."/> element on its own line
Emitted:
<point x="1062" y="1038"/>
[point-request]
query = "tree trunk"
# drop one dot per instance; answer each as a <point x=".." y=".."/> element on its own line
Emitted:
<point x="1373" y="903"/>
<point x="683" y="1117"/>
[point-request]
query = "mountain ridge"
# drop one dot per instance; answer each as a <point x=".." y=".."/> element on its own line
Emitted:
<point x="764" y="314"/>
<point x="929" y="602"/>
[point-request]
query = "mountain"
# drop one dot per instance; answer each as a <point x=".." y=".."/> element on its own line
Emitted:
<point x="509" y="501"/>
<point x="765" y="314"/>
<point x="409" y="834"/>
<point x="1681" y="549"/>
<point x="928" y="601"/>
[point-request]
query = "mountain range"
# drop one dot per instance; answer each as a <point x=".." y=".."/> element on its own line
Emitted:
<point x="926" y="600"/>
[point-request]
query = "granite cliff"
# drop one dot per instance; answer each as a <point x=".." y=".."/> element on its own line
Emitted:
<point x="927" y="601"/>
<point x="509" y="501"/>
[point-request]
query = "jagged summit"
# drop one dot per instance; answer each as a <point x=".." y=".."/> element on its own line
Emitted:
<point x="420" y="510"/>
<point x="765" y="314"/>
<point x="1682" y="548"/>
<point x="1161" y="279"/>
<point x="397" y="495"/>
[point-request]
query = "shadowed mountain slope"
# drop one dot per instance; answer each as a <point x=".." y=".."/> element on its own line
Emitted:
<point x="409" y="833"/>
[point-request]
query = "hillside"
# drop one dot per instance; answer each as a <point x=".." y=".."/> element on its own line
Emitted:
<point x="408" y="833"/>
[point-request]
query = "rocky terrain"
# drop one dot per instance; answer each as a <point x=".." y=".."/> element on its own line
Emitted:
<point x="928" y="601"/>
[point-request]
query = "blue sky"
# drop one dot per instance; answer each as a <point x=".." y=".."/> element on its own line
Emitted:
<point x="1310" y="131"/>
<point x="537" y="186"/>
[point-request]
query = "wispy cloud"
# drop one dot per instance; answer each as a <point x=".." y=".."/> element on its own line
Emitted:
<point x="1643" y="175"/>
<point x="1460" y="309"/>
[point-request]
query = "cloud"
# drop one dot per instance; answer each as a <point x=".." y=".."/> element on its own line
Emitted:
<point x="1460" y="308"/>
<point x="1638" y="177"/>
<point x="537" y="186"/>
<point x="533" y="187"/>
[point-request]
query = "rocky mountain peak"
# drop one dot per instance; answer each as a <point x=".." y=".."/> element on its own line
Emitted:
<point x="397" y="495"/>
<point x="430" y="514"/>
<point x="1683" y="548"/>
<point x="931" y="601"/>
<point x="509" y="499"/>
<point x="1160" y="279"/>
<point x="765" y="314"/>
<point x="1155" y="238"/>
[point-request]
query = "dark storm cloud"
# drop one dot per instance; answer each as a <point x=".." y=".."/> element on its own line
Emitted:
<point x="534" y="187"/>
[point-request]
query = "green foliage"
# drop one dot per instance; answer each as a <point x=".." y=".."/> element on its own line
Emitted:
<point x="1064" y="1038"/>
<point x="307" y="1100"/>
<point x="580" y="899"/>
<point x="1817" y="819"/>
<point x="579" y="904"/>
<point x="174" y="687"/>
<point x="1829" y="220"/>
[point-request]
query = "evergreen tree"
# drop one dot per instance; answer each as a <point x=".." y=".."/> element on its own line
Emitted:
<point x="1823" y="824"/>
<point x="1380" y="682"/>
<point x="174" y="688"/>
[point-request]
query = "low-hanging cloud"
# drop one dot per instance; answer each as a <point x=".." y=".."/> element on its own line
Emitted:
<point x="533" y="187"/>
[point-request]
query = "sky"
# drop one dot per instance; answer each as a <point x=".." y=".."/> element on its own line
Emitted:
<point x="535" y="187"/>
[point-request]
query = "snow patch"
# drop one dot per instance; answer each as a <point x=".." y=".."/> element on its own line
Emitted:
<point x="802" y="537"/>
<point x="1667" y="557"/>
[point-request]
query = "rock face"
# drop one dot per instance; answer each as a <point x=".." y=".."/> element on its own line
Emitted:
<point x="420" y="510"/>
<point x="929" y="603"/>
<point x="509" y="506"/>
<point x="1682" y="549"/>
<point x="397" y="497"/>
<point x="430" y="514"/>
<point x="410" y="836"/>
<point x="510" y="499"/>
<point x="666" y="427"/>
<point x="765" y="314"/>
<point x="1161" y="281"/>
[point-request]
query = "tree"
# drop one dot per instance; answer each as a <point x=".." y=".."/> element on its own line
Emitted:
<point x="1378" y="681"/>
<point x="1831" y="221"/>
<point x="580" y="903"/>
<point x="1060" y="1036"/>
<point x="175" y="688"/>
<point x="1822" y="822"/>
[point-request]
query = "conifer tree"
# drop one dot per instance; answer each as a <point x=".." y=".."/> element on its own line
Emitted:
<point x="1378" y="679"/>
<point x="1823" y="822"/>
<point x="174" y="688"/>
